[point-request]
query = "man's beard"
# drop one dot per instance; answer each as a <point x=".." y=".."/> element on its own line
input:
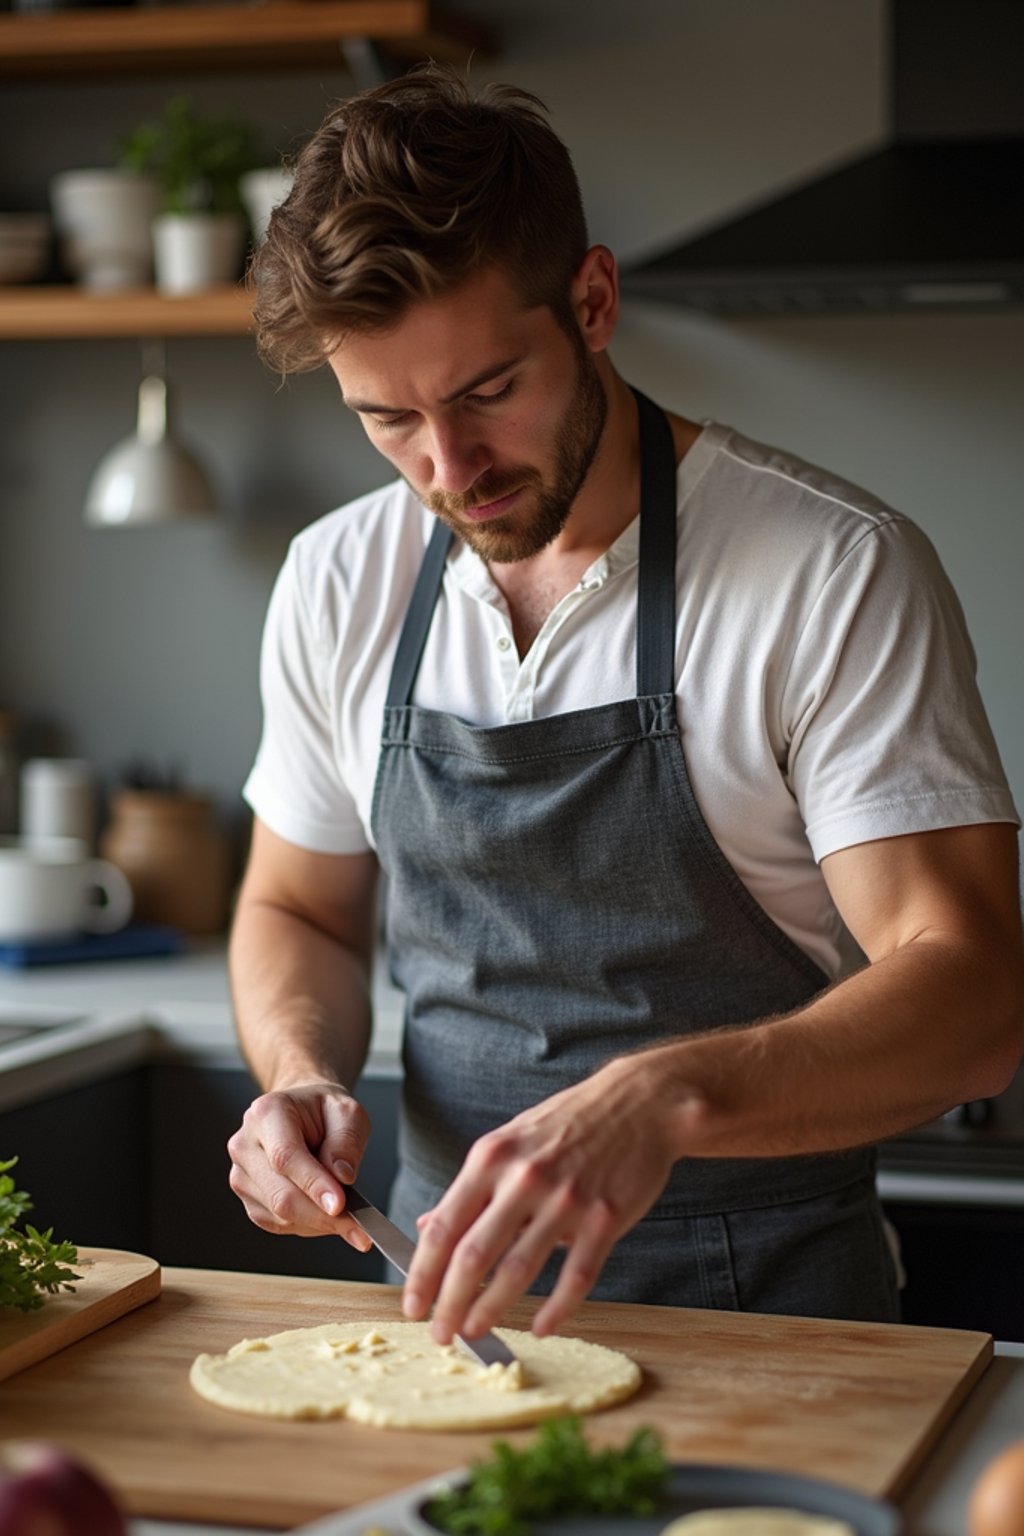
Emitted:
<point x="522" y="533"/>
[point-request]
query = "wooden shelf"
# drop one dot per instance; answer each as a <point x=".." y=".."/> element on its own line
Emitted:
<point x="276" y="34"/>
<point x="58" y="313"/>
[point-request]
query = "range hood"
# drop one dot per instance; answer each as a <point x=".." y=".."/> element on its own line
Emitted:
<point x="935" y="219"/>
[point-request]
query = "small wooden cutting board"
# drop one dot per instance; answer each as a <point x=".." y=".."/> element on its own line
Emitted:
<point x="112" y="1283"/>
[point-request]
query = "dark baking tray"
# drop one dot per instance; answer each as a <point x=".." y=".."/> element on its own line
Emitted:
<point x="693" y="1487"/>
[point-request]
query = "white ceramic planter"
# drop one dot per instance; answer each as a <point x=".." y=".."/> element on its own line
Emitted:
<point x="261" y="191"/>
<point x="104" y="222"/>
<point x="197" y="250"/>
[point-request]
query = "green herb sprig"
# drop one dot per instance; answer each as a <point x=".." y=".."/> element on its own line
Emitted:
<point x="31" y="1265"/>
<point x="557" y="1474"/>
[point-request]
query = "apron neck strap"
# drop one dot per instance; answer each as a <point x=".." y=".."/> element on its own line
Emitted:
<point x="656" y="591"/>
<point x="656" y="595"/>
<point x="417" y="619"/>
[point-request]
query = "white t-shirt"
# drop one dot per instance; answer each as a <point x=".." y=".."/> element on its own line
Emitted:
<point x="825" y="680"/>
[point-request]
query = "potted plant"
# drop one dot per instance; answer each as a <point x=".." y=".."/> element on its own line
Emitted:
<point x="199" y="234"/>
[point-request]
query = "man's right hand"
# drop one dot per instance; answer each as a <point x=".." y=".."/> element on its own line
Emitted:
<point x="292" y="1154"/>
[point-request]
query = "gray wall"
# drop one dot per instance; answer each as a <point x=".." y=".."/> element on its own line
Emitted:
<point x="146" y="641"/>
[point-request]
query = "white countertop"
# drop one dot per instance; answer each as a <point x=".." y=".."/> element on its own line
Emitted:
<point x="91" y="1019"/>
<point x="196" y="979"/>
<point x="190" y="987"/>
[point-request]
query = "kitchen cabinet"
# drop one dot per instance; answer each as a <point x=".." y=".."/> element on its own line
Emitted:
<point x="80" y="1158"/>
<point x="279" y="34"/>
<point x="963" y="1266"/>
<point x="954" y="1190"/>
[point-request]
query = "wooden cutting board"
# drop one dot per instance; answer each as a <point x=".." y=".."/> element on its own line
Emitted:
<point x="859" y="1403"/>
<point x="112" y="1283"/>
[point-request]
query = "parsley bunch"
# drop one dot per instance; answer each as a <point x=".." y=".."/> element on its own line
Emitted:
<point x="31" y="1266"/>
<point x="558" y="1474"/>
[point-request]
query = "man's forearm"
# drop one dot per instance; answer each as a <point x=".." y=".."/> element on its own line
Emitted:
<point x="301" y="999"/>
<point x="892" y="1046"/>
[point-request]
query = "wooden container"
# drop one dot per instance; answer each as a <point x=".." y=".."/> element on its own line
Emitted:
<point x="175" y="856"/>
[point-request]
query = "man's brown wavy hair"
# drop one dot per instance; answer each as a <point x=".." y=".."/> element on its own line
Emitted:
<point x="403" y="193"/>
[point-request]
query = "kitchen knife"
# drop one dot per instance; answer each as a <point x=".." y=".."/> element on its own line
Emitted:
<point x="398" y="1249"/>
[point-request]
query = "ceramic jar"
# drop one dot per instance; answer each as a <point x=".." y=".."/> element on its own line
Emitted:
<point x="104" y="219"/>
<point x="58" y="799"/>
<point x="175" y="856"/>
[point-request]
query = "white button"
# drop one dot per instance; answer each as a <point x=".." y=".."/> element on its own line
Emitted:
<point x="504" y="642"/>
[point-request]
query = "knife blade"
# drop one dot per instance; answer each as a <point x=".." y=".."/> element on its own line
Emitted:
<point x="398" y="1249"/>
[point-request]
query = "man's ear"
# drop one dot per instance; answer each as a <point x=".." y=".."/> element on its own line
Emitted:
<point x="595" y="297"/>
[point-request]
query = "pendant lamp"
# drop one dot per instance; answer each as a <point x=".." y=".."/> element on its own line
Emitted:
<point x="149" y="477"/>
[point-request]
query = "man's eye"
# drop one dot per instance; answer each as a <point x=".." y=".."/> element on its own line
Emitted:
<point x="385" y="422"/>
<point x="502" y="394"/>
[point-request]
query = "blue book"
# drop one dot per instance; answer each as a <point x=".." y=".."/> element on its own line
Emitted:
<point x="137" y="941"/>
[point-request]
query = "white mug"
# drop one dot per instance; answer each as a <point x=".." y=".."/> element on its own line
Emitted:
<point x="52" y="888"/>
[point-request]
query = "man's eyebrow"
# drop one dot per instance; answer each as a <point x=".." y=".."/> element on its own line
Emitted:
<point x="485" y="376"/>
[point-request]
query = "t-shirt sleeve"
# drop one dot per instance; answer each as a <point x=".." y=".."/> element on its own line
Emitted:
<point x="295" y="786"/>
<point x="888" y="734"/>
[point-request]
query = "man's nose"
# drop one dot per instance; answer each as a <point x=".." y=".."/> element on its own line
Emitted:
<point x="457" y="461"/>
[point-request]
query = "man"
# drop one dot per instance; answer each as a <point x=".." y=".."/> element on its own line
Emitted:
<point x="701" y="866"/>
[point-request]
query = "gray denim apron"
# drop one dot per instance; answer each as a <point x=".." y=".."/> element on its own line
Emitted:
<point x="555" y="898"/>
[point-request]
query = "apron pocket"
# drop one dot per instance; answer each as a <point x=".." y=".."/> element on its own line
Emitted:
<point x="826" y="1257"/>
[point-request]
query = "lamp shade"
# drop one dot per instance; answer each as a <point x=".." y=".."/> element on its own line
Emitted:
<point x="149" y="477"/>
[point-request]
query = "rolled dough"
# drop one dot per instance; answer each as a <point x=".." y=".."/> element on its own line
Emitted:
<point x="393" y="1375"/>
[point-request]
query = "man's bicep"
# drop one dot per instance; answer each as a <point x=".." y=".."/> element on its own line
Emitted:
<point x="958" y="883"/>
<point x="336" y="892"/>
